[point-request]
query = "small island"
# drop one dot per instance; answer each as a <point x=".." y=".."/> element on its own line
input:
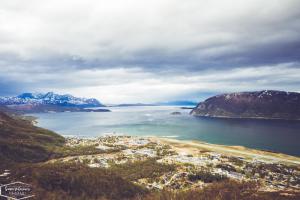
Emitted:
<point x="176" y="113"/>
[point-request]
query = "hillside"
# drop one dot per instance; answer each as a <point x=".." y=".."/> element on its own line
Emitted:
<point x="20" y="141"/>
<point x="23" y="150"/>
<point x="268" y="104"/>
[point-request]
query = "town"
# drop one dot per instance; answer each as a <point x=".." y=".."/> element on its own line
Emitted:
<point x="185" y="170"/>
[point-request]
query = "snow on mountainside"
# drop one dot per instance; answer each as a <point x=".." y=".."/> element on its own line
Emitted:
<point x="49" y="98"/>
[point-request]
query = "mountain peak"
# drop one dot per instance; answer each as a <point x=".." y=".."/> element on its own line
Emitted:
<point x="26" y="95"/>
<point x="49" y="98"/>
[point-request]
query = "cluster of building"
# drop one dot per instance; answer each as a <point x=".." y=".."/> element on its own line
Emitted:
<point x="272" y="176"/>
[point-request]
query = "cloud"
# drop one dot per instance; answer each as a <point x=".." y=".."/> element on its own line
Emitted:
<point x="131" y="50"/>
<point x="120" y="85"/>
<point x="153" y="33"/>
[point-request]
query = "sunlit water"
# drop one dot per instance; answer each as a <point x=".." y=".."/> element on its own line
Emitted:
<point x="275" y="135"/>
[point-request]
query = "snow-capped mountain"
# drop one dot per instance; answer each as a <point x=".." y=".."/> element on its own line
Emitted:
<point x="49" y="98"/>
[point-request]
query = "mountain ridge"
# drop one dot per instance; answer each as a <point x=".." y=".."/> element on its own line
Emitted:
<point x="50" y="98"/>
<point x="50" y="102"/>
<point x="265" y="104"/>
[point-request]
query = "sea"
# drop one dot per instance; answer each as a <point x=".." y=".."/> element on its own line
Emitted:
<point x="273" y="135"/>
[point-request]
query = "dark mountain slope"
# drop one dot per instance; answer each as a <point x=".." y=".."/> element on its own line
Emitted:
<point x="20" y="141"/>
<point x="23" y="150"/>
<point x="267" y="104"/>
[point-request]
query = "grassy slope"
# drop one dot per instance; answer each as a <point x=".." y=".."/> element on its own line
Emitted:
<point x="71" y="181"/>
<point x="23" y="150"/>
<point x="20" y="141"/>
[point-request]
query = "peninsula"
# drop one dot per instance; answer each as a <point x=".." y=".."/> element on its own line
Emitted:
<point x="266" y="104"/>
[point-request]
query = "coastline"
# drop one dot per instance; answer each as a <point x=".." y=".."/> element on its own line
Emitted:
<point x="193" y="146"/>
<point x="211" y="130"/>
<point x="187" y="159"/>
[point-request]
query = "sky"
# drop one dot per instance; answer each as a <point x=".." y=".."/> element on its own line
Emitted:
<point x="128" y="51"/>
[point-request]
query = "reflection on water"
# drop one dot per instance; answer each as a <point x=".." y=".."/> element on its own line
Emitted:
<point x="275" y="135"/>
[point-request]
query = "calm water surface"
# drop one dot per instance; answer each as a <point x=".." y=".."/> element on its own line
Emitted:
<point x="274" y="135"/>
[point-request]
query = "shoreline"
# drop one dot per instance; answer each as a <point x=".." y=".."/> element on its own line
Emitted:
<point x="199" y="145"/>
<point x="245" y="152"/>
<point x="193" y="147"/>
<point x="262" y="149"/>
<point x="187" y="159"/>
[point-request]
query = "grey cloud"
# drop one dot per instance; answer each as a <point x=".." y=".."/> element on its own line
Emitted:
<point x="105" y="47"/>
<point x="161" y="34"/>
<point x="10" y="88"/>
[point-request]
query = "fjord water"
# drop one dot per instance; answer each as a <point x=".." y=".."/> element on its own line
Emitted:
<point x="274" y="135"/>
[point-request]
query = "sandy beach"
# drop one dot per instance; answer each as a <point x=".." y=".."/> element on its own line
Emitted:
<point x="195" y="147"/>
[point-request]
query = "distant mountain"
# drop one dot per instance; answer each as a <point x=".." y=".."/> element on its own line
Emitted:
<point x="268" y="104"/>
<point x="133" y="104"/>
<point x="168" y="103"/>
<point x="50" y="102"/>
<point x="177" y="103"/>
<point x="49" y="98"/>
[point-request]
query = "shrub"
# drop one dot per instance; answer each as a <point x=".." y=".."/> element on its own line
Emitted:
<point x="76" y="181"/>
<point x="206" y="177"/>
<point x="141" y="169"/>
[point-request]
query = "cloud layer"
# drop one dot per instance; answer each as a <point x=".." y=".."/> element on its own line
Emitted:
<point x="130" y="50"/>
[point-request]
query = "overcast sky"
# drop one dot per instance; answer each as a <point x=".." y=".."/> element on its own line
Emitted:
<point x="148" y="51"/>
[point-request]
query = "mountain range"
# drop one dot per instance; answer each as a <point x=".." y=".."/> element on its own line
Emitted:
<point x="267" y="104"/>
<point x="50" y="98"/>
<point x="47" y="102"/>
